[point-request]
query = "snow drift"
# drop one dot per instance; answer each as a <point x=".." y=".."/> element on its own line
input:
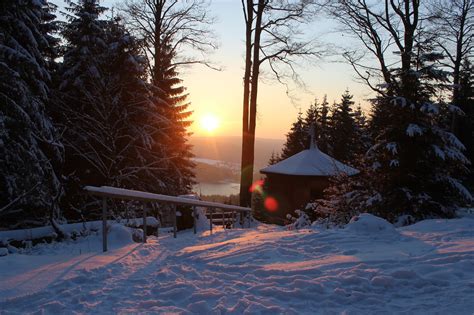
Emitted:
<point x="367" y="268"/>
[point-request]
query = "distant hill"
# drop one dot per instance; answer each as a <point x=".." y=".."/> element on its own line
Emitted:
<point x="228" y="149"/>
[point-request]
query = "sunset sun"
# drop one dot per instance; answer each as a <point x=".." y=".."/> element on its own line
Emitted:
<point x="209" y="123"/>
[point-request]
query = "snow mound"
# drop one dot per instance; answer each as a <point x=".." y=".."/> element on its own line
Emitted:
<point x="366" y="223"/>
<point x="427" y="268"/>
<point x="119" y="235"/>
<point x="202" y="222"/>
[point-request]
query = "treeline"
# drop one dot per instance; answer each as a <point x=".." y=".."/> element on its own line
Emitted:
<point x="340" y="130"/>
<point x="84" y="102"/>
<point x="414" y="155"/>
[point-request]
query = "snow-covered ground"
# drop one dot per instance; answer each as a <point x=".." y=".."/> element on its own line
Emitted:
<point x="369" y="267"/>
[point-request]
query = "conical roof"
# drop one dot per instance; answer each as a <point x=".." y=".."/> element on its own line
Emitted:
<point x="310" y="162"/>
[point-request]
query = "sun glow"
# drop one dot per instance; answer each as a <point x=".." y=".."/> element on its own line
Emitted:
<point x="209" y="123"/>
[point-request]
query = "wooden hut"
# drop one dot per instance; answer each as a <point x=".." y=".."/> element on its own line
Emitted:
<point x="301" y="178"/>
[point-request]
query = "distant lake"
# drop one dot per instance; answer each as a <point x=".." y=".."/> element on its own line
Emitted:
<point x="223" y="189"/>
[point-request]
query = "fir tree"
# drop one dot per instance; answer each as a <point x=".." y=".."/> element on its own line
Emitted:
<point x="465" y="101"/>
<point x="296" y="139"/>
<point x="274" y="158"/>
<point x="179" y="166"/>
<point x="343" y="130"/>
<point x="323" y="128"/>
<point x="363" y="140"/>
<point x="311" y="120"/>
<point x="110" y="115"/>
<point x="415" y="160"/>
<point x="29" y="186"/>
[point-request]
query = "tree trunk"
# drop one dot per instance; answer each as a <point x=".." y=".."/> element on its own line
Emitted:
<point x="457" y="68"/>
<point x="245" y="180"/>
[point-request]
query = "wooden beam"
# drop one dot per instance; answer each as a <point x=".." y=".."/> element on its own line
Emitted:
<point x="120" y="193"/>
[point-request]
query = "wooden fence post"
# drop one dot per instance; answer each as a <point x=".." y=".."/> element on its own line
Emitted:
<point x="210" y="220"/>
<point x="194" y="216"/>
<point x="233" y="219"/>
<point x="158" y="212"/>
<point x="104" y="224"/>
<point x="175" y="229"/>
<point x="223" y="221"/>
<point x="144" y="224"/>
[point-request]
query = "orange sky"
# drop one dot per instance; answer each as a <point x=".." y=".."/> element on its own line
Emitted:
<point x="220" y="93"/>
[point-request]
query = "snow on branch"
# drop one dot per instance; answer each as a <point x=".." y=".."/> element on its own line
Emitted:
<point x="414" y="130"/>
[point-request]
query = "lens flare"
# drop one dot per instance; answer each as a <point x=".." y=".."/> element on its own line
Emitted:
<point x="271" y="204"/>
<point x="257" y="186"/>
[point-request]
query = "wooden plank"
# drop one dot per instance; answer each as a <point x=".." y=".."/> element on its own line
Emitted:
<point x="113" y="192"/>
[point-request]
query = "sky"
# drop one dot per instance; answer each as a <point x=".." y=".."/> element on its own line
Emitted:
<point x="219" y="93"/>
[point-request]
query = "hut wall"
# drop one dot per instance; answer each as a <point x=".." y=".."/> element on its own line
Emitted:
<point x="294" y="192"/>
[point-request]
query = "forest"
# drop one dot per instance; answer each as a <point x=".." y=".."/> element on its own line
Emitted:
<point x="92" y="96"/>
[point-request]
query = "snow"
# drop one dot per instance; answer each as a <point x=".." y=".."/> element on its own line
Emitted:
<point x="369" y="267"/>
<point x="371" y="225"/>
<point x="310" y="162"/>
<point x="414" y="130"/>
<point x="47" y="231"/>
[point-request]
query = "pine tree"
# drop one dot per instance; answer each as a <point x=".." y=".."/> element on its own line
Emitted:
<point x="296" y="139"/>
<point x="323" y="136"/>
<point x="465" y="101"/>
<point x="274" y="158"/>
<point x="179" y="166"/>
<point x="311" y="120"/>
<point x="363" y="140"/>
<point x="416" y="162"/>
<point x="343" y="130"/>
<point x="110" y="115"/>
<point x="29" y="185"/>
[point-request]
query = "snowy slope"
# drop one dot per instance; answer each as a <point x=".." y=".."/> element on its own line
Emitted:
<point x="367" y="268"/>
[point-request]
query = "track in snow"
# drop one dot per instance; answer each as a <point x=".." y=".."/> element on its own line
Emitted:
<point x="426" y="268"/>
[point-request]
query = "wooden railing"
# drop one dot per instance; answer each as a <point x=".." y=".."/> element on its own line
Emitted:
<point x="120" y="193"/>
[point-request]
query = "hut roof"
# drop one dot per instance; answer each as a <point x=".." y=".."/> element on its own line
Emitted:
<point x="310" y="162"/>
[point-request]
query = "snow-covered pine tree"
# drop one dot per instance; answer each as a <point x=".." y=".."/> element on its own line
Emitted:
<point x="415" y="159"/>
<point x="343" y="129"/>
<point x="106" y="108"/>
<point x="77" y="99"/>
<point x="296" y="139"/>
<point x="179" y="166"/>
<point x="29" y="185"/>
